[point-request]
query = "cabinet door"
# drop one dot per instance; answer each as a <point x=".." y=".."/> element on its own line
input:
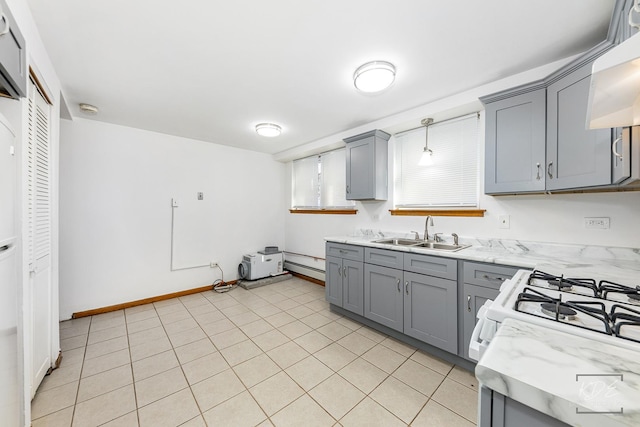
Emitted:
<point x="430" y="310"/>
<point x="474" y="298"/>
<point x="360" y="173"/>
<point x="383" y="296"/>
<point x="576" y="156"/>
<point x="621" y="160"/>
<point x="353" y="286"/>
<point x="515" y="144"/>
<point x="333" y="280"/>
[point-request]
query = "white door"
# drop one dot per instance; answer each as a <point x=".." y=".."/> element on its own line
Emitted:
<point x="39" y="234"/>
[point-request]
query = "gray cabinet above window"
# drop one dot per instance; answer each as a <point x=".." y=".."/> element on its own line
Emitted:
<point x="367" y="156"/>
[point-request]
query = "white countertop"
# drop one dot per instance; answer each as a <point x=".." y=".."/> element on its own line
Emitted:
<point x="563" y="375"/>
<point x="597" y="262"/>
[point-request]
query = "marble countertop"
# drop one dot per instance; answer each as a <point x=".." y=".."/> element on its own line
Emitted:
<point x="563" y="375"/>
<point x="598" y="262"/>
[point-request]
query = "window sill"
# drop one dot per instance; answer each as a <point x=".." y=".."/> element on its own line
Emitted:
<point x="324" y="211"/>
<point x="439" y="212"/>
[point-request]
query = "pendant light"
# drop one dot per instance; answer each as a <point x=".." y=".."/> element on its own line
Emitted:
<point x="427" y="154"/>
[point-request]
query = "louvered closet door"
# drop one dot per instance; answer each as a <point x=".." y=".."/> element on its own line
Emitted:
<point x="39" y="233"/>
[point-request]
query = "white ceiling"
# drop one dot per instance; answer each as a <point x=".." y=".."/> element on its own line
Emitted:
<point x="211" y="70"/>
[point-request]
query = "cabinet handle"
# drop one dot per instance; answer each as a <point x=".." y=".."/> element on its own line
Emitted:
<point x="549" y="170"/>
<point x="6" y="26"/>
<point x="469" y="303"/>
<point x="406" y="287"/>
<point x="497" y="279"/>
<point x="344" y="271"/>
<point x="398" y="284"/>
<point x="613" y="148"/>
<point x="347" y="189"/>
<point x="343" y="251"/>
<point x="538" y="171"/>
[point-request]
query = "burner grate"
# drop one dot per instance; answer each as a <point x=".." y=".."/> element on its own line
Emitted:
<point x="626" y="322"/>
<point x="566" y="311"/>
<point x="562" y="283"/>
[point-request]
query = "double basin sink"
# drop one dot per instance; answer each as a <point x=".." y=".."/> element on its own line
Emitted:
<point x="440" y="246"/>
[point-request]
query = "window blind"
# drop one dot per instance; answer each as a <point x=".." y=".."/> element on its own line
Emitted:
<point x="452" y="180"/>
<point x="319" y="181"/>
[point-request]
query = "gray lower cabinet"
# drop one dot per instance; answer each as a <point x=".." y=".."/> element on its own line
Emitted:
<point x="367" y="155"/>
<point x="481" y="282"/>
<point x="333" y="280"/>
<point x="353" y="286"/>
<point x="344" y="277"/>
<point x="497" y="410"/>
<point x="384" y="296"/>
<point x="430" y="313"/>
<point x="422" y="306"/>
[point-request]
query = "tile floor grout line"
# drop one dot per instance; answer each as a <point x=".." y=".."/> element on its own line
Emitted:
<point x="250" y="301"/>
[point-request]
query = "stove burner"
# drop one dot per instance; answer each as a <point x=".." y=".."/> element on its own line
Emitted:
<point x="632" y="293"/>
<point x="563" y="312"/>
<point x="589" y="315"/>
<point x="634" y="299"/>
<point x="559" y="284"/>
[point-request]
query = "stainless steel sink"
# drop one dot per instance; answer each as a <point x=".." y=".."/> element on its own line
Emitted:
<point x="422" y="244"/>
<point x="441" y="246"/>
<point x="399" y="242"/>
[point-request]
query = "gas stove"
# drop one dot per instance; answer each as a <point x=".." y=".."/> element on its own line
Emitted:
<point x="598" y="310"/>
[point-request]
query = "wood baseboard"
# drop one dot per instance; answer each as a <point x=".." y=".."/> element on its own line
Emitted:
<point x="130" y="304"/>
<point x="307" y="278"/>
<point x="143" y="301"/>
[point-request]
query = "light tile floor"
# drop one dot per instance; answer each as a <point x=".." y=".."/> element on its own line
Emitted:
<point x="274" y="355"/>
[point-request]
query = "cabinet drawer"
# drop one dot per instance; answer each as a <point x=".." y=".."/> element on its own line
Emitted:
<point x="446" y="268"/>
<point x="340" y="250"/>
<point x="487" y="275"/>
<point x="384" y="257"/>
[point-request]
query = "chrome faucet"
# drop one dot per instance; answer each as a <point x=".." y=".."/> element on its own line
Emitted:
<point x="417" y="236"/>
<point x="455" y="238"/>
<point x="428" y="222"/>
<point x="437" y="238"/>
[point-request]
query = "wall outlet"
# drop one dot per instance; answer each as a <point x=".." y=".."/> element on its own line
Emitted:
<point x="504" y="221"/>
<point x="213" y="264"/>
<point x="597" y="222"/>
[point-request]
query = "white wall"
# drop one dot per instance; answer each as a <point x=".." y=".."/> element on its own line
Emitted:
<point x="116" y="186"/>
<point x="557" y="218"/>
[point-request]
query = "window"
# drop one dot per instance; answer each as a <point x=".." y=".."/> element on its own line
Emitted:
<point x="319" y="182"/>
<point x="452" y="180"/>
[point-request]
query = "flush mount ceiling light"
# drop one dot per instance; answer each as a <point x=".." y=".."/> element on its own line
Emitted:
<point x="427" y="154"/>
<point x="374" y="76"/>
<point x="89" y="109"/>
<point x="268" y="129"/>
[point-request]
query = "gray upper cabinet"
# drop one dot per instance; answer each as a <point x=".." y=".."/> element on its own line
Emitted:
<point x="536" y="137"/>
<point x="13" y="59"/>
<point x="514" y="143"/>
<point x="576" y="157"/>
<point x="367" y="156"/>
